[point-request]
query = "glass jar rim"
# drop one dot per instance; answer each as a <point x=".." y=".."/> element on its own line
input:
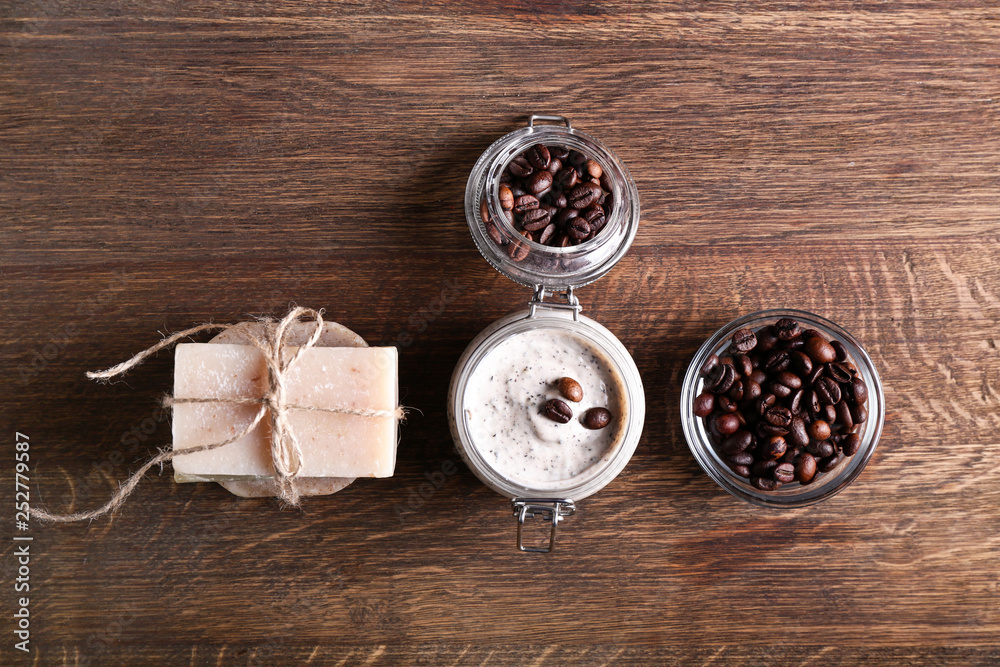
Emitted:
<point x="789" y="496"/>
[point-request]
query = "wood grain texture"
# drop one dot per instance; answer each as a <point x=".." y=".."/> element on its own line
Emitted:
<point x="167" y="164"/>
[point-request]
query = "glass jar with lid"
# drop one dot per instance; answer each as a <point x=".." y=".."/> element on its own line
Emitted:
<point x="515" y="424"/>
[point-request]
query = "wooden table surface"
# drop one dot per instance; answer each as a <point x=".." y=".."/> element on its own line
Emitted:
<point x="167" y="164"/>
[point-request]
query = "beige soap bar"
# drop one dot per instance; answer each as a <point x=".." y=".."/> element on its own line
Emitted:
<point x="333" y="444"/>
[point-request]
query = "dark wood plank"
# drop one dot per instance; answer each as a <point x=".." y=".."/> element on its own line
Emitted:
<point x="163" y="166"/>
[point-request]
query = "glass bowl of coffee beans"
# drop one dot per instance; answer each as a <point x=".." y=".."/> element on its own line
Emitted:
<point x="551" y="206"/>
<point x="782" y="408"/>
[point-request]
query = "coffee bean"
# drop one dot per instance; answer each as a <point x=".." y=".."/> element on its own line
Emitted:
<point x="555" y="164"/>
<point x="744" y="340"/>
<point x="743" y="364"/>
<point x="506" y="198"/>
<point x="801" y="362"/>
<point x="520" y="167"/>
<point x="494" y="233"/>
<point x="776" y="361"/>
<point x="535" y="219"/>
<point x="704" y="404"/>
<point x="827" y="413"/>
<point x="765" y="484"/>
<point x="778" y="416"/>
<point x="596" y="418"/>
<point x="595" y="217"/>
<point x="784" y="473"/>
<point x="538" y="156"/>
<point x="711" y="363"/>
<point x="724" y="376"/>
<point x="571" y="389"/>
<point x="557" y="411"/>
<point x="820" y="449"/>
<point x="805" y="468"/>
<point x="547" y="233"/>
<point x="727" y="423"/>
<point x="593" y="169"/>
<point x="737" y="442"/>
<point x="578" y="228"/>
<point x="819" y="430"/>
<point x="726" y="404"/>
<point x="788" y="379"/>
<point x="774" y="448"/>
<point x="741" y="470"/>
<point x="851" y="444"/>
<point x="859" y="390"/>
<point x="819" y="350"/>
<point x="583" y="195"/>
<point x="736" y="391"/>
<point x="519" y="250"/>
<point x="844" y="416"/>
<point x="766" y="339"/>
<point x="787" y="329"/>
<point x="839" y="349"/>
<point x="525" y="203"/>
<point x="559" y="152"/>
<point x="838" y="372"/>
<point x="567" y="178"/>
<point x="751" y="390"/>
<point x="859" y="413"/>
<point x="539" y="183"/>
<point x="829" y="463"/>
<point x="742" y="458"/>
<point x="797" y="433"/>
<point x="827" y="391"/>
<point x="779" y="390"/>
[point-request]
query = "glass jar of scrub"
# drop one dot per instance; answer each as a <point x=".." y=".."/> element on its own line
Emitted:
<point x="546" y="406"/>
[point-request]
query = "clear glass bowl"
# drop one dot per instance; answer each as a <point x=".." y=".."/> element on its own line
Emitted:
<point x="546" y="266"/>
<point x="826" y="485"/>
<point x="596" y="476"/>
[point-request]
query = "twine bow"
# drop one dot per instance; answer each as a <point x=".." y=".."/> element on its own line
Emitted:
<point x="286" y="453"/>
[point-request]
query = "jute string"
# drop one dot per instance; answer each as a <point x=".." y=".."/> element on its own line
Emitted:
<point x="286" y="453"/>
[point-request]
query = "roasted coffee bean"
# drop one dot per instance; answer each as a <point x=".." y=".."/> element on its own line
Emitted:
<point x="596" y="418"/>
<point x="787" y="329"/>
<point x="560" y="152"/>
<point x="859" y="390"/>
<point x="506" y="198"/>
<point x="805" y="468"/>
<point x="555" y="164"/>
<point x="859" y="413"/>
<point x="565" y="215"/>
<point x="765" y="483"/>
<point x="774" y="448"/>
<point x="766" y="430"/>
<point x="567" y="178"/>
<point x="547" y="233"/>
<point x="525" y="203"/>
<point x="557" y="411"/>
<point x="538" y="183"/>
<point x="726" y="375"/>
<point x="736" y="391"/>
<point x="844" y="416"/>
<point x="801" y="362"/>
<point x="562" y="241"/>
<point x="839" y="349"/>
<point x="790" y="380"/>
<point x="751" y="390"/>
<point x="784" y="473"/>
<point x="798" y="436"/>
<point x="827" y="413"/>
<point x="758" y="376"/>
<point x="744" y="340"/>
<point x="535" y="219"/>
<point x="819" y="430"/>
<point x="704" y="404"/>
<point x="740" y="441"/>
<point x="795" y="403"/>
<point x="578" y="228"/>
<point x="742" y="458"/>
<point x="520" y="167"/>
<point x="727" y="423"/>
<point x="817" y="373"/>
<point x="711" y="363"/>
<point x="559" y="201"/>
<point x="764" y="402"/>
<point x="851" y="444"/>
<point x="838" y="372"/>
<point x="829" y="463"/>
<point x="494" y="233"/>
<point x="571" y="389"/>
<point x="538" y="156"/>
<point x="595" y="216"/>
<point x="820" y="350"/>
<point x="742" y="471"/>
<point x="793" y="344"/>
<point x="766" y="339"/>
<point x="593" y="169"/>
<point x="776" y="361"/>
<point x="518" y="250"/>
<point x="779" y="390"/>
<point x="820" y="449"/>
<point x="583" y="195"/>
<point x="726" y="404"/>
<point x="778" y="416"/>
<point x="827" y="391"/>
<point x="744" y="366"/>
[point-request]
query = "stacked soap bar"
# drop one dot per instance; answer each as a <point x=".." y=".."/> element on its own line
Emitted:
<point x="333" y="444"/>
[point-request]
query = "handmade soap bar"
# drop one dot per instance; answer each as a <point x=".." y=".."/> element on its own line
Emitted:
<point x="333" y="444"/>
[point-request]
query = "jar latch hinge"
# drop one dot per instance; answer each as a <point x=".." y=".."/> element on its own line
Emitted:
<point x="551" y="509"/>
<point x="564" y="300"/>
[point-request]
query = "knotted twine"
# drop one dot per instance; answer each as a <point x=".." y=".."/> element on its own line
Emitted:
<point x="286" y="453"/>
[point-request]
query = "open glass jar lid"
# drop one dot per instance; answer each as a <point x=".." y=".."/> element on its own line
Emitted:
<point x="546" y="406"/>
